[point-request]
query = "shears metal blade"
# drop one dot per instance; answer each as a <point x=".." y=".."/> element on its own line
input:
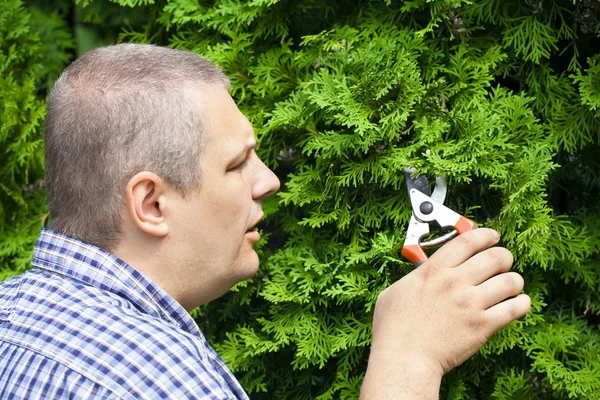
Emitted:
<point x="428" y="210"/>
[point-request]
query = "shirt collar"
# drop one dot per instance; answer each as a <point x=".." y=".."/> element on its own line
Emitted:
<point x="97" y="267"/>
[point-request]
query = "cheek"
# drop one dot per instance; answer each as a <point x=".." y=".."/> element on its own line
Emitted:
<point x="230" y="209"/>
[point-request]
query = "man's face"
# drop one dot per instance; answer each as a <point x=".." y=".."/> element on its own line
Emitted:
<point x="215" y="225"/>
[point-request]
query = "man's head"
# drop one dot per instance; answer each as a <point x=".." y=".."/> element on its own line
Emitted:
<point x="148" y="156"/>
<point x="114" y="112"/>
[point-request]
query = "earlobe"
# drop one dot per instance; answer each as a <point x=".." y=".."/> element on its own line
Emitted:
<point x="146" y="203"/>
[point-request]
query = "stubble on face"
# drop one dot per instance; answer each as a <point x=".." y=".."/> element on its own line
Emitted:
<point x="217" y="219"/>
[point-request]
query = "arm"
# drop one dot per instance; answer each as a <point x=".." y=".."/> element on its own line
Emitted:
<point x="439" y="315"/>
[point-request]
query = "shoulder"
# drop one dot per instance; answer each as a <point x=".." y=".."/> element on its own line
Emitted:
<point x="147" y="355"/>
<point x="106" y="339"/>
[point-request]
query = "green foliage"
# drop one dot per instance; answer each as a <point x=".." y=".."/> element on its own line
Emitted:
<point x="501" y="97"/>
<point x="30" y="58"/>
<point x="589" y="84"/>
<point x="566" y="350"/>
<point x="512" y="384"/>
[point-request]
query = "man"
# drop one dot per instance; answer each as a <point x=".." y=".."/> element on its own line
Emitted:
<point x="154" y="191"/>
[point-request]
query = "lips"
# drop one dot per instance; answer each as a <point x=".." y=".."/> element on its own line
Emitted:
<point x="253" y="227"/>
<point x="252" y="234"/>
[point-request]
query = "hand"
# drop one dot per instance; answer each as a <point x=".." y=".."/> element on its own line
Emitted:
<point x="440" y="314"/>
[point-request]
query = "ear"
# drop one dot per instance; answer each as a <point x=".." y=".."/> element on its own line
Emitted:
<point x="145" y="201"/>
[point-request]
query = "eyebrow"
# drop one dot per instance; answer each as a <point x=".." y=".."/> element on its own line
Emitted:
<point x="249" y="146"/>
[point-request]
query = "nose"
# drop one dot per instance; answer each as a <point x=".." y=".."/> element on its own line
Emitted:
<point x="266" y="184"/>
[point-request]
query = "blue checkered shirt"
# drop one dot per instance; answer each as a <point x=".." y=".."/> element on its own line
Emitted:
<point x="83" y="324"/>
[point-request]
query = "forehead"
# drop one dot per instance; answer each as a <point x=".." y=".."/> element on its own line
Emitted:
<point x="226" y="129"/>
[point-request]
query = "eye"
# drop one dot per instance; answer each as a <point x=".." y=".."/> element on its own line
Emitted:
<point x="239" y="166"/>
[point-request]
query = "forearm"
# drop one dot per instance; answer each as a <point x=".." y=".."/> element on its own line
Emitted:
<point x="399" y="379"/>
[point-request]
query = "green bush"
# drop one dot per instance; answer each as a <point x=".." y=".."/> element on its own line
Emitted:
<point x="33" y="51"/>
<point x="502" y="97"/>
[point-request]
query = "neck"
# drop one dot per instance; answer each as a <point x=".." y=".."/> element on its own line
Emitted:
<point x="152" y="257"/>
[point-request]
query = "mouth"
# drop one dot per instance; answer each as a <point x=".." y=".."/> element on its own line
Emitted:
<point x="253" y="228"/>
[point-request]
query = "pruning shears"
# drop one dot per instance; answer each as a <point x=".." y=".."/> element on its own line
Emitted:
<point x="428" y="210"/>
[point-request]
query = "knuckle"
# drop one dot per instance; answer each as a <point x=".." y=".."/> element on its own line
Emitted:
<point x="463" y="302"/>
<point x="513" y="280"/>
<point x="496" y="256"/>
<point x="478" y="238"/>
<point x="465" y="241"/>
<point x="500" y="258"/>
<point x="513" y="310"/>
<point x="449" y="283"/>
<point x="503" y="255"/>
<point x="428" y="270"/>
<point x="477" y="322"/>
<point x="509" y="281"/>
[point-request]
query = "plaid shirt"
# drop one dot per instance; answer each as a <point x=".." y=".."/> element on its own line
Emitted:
<point x="83" y="324"/>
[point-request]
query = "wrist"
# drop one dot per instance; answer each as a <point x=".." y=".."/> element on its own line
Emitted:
<point x="400" y="377"/>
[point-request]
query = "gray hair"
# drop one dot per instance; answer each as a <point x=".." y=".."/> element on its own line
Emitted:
<point x="114" y="112"/>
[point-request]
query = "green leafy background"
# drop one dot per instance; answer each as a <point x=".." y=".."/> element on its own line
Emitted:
<point x="501" y="97"/>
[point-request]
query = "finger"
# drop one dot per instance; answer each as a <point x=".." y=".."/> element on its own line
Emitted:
<point x="499" y="288"/>
<point x="460" y="249"/>
<point x="484" y="265"/>
<point x="507" y="311"/>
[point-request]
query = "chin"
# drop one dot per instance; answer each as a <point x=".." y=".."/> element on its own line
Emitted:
<point x="249" y="268"/>
<point x="252" y="269"/>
